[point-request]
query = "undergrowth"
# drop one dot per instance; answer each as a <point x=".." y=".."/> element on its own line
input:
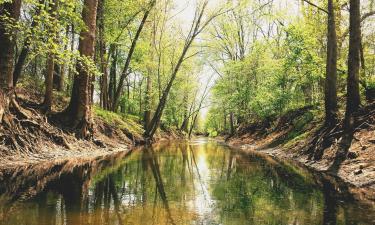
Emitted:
<point x="121" y="121"/>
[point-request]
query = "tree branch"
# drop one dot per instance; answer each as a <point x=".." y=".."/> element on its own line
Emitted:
<point x="316" y="6"/>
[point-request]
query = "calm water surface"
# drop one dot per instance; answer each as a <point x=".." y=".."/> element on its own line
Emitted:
<point x="200" y="182"/>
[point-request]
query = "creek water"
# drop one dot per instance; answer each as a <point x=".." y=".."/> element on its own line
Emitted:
<point x="197" y="182"/>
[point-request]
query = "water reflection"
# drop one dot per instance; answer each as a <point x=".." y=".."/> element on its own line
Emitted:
<point x="185" y="183"/>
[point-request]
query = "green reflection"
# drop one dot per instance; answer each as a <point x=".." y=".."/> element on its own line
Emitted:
<point x="200" y="182"/>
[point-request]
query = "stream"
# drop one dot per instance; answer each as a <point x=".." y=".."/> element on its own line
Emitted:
<point x="196" y="182"/>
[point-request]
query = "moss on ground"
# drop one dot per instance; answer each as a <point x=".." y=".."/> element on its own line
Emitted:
<point x="121" y="121"/>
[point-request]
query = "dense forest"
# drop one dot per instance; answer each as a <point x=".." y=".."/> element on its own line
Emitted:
<point x="187" y="112"/>
<point x="207" y="67"/>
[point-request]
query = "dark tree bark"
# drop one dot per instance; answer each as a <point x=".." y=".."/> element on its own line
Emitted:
<point x="353" y="96"/>
<point x="7" y="55"/>
<point x="102" y="55"/>
<point x="25" y="51"/>
<point x="50" y="65"/>
<point x="231" y="119"/>
<point x="78" y="113"/>
<point x="72" y="46"/>
<point x="8" y="42"/>
<point x="195" y="29"/>
<point x="331" y="69"/>
<point x="48" y="84"/>
<point x="147" y="113"/>
<point x="61" y="84"/>
<point x="112" y="77"/>
<point x="125" y="71"/>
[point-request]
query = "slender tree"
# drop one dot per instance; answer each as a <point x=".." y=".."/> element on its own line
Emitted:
<point x="353" y="96"/>
<point x="25" y="49"/>
<point x="50" y="62"/>
<point x="125" y="71"/>
<point x="196" y="28"/>
<point x="102" y="55"/>
<point x="331" y="68"/>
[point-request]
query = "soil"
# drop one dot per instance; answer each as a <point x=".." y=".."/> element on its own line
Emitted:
<point x="44" y="141"/>
<point x="357" y="170"/>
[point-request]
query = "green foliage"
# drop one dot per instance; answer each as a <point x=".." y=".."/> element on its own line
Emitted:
<point x="277" y="74"/>
<point x="120" y="121"/>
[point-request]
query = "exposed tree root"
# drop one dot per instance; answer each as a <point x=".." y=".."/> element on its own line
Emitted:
<point x="23" y="131"/>
<point x="325" y="137"/>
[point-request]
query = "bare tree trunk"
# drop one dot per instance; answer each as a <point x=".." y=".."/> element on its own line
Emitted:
<point x="25" y="51"/>
<point x="353" y="96"/>
<point x="225" y="121"/>
<point x="147" y="114"/>
<point x="231" y="118"/>
<point x="70" y="71"/>
<point x="48" y="82"/>
<point x="187" y="112"/>
<point x="195" y="29"/>
<point x="78" y="113"/>
<point x="103" y="61"/>
<point x="49" y="78"/>
<point x="331" y="69"/>
<point x="112" y="77"/>
<point x="148" y="97"/>
<point x="124" y="73"/>
<point x="62" y="70"/>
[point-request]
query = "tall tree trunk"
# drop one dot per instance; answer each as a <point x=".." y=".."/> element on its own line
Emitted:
<point x="60" y="85"/>
<point x="7" y="54"/>
<point x="225" y="121"/>
<point x="353" y="96"/>
<point x="112" y="77"/>
<point x="8" y="42"/>
<point x="71" y="72"/>
<point x="331" y="69"/>
<point x="79" y="110"/>
<point x="48" y="82"/>
<point x="49" y="78"/>
<point x="147" y="114"/>
<point x="125" y="71"/>
<point x="231" y="118"/>
<point x="102" y="56"/>
<point x="195" y="29"/>
<point x="25" y="50"/>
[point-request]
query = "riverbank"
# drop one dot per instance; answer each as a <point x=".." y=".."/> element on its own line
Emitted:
<point x="292" y="135"/>
<point x="44" y="140"/>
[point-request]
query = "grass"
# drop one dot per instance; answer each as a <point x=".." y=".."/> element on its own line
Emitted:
<point x="121" y="121"/>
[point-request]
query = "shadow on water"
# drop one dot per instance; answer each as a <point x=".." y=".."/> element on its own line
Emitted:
<point x="201" y="182"/>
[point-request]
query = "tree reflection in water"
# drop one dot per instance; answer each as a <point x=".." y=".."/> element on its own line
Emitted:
<point x="185" y="183"/>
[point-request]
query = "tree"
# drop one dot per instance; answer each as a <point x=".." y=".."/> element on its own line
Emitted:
<point x="102" y="56"/>
<point x="78" y="113"/>
<point x="25" y="49"/>
<point x="9" y="15"/>
<point x="196" y="28"/>
<point x="125" y="71"/>
<point x="353" y="100"/>
<point x="50" y="62"/>
<point x="331" y="68"/>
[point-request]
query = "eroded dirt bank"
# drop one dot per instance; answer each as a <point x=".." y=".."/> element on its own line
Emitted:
<point x="289" y="137"/>
<point x="36" y="138"/>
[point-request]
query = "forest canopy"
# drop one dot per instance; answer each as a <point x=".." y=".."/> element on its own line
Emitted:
<point x="205" y="66"/>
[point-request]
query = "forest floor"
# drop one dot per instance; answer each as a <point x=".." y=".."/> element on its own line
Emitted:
<point x="46" y="141"/>
<point x="289" y="136"/>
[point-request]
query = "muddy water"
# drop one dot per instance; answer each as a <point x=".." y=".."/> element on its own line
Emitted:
<point x="201" y="182"/>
